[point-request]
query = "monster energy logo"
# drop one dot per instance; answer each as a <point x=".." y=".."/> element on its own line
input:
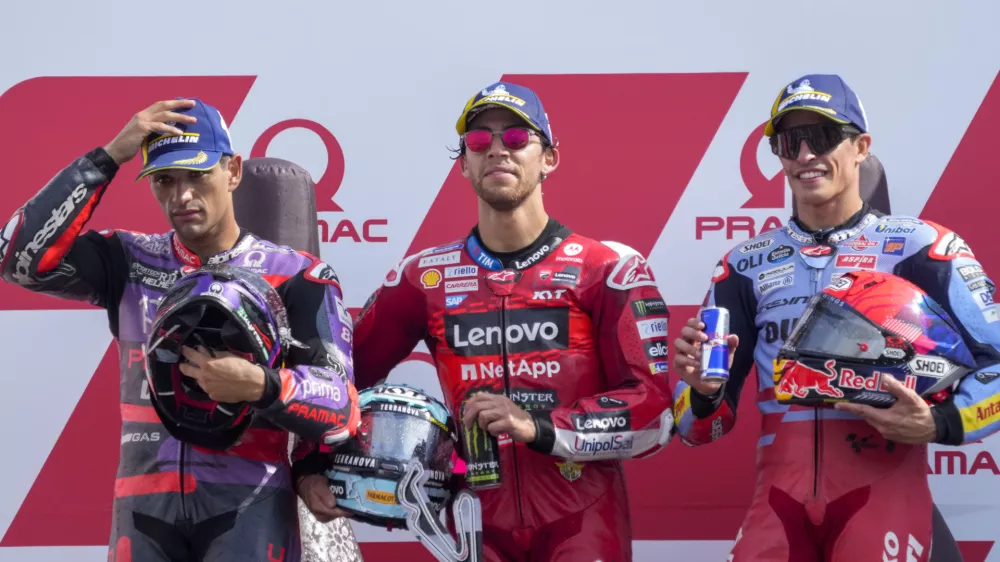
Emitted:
<point x="647" y="307"/>
<point x="481" y="466"/>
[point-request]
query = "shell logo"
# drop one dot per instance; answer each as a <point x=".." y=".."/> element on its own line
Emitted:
<point x="430" y="278"/>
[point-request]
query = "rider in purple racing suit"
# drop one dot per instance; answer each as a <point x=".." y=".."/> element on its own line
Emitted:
<point x="174" y="500"/>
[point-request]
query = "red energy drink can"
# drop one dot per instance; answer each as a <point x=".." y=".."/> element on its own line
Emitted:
<point x="715" y="351"/>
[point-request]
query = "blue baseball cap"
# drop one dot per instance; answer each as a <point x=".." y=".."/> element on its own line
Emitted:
<point x="826" y="94"/>
<point x="522" y="101"/>
<point x="200" y="147"/>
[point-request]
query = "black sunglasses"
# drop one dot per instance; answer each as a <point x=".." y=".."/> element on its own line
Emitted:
<point x="821" y="138"/>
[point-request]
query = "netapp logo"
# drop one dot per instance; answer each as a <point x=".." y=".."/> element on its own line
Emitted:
<point x="523" y="331"/>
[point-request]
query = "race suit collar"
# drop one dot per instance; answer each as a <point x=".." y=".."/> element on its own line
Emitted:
<point x="552" y="235"/>
<point x="831" y="236"/>
<point x="191" y="259"/>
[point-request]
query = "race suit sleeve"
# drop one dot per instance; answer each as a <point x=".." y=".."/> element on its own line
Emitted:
<point x="702" y="419"/>
<point x="42" y="250"/>
<point x="389" y="326"/>
<point x="949" y="273"/>
<point x="312" y="395"/>
<point x="629" y="322"/>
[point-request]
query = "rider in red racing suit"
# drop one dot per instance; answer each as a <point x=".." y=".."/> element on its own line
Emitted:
<point x="174" y="500"/>
<point x="570" y="329"/>
<point x="581" y="329"/>
<point x="831" y="486"/>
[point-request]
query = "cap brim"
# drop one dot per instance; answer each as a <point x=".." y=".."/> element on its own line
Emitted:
<point x="769" y="128"/>
<point x="191" y="159"/>
<point x="463" y="121"/>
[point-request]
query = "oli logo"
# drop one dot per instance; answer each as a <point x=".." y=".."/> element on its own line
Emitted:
<point x="327" y="185"/>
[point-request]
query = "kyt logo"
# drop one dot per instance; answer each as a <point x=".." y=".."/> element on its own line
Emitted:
<point x="345" y="228"/>
<point x="765" y="193"/>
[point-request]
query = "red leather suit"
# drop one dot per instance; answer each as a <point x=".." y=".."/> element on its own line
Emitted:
<point x="581" y="329"/>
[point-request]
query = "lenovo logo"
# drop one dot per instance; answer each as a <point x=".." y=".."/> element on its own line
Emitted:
<point x="524" y="330"/>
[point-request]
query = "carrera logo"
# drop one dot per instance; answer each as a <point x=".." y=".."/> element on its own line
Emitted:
<point x="859" y="262"/>
<point x="602" y="422"/>
<point x="461" y="286"/>
<point x="526" y="330"/>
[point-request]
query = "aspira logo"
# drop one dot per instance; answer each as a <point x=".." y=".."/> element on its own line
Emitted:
<point x="518" y="331"/>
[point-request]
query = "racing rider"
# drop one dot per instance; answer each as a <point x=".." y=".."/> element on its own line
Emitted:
<point x="848" y="482"/>
<point x="567" y="332"/>
<point x="175" y="501"/>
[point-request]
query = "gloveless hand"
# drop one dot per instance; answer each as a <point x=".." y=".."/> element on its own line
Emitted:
<point x="687" y="355"/>
<point x="153" y="119"/>
<point x="909" y="420"/>
<point x="224" y="377"/>
<point x="497" y="414"/>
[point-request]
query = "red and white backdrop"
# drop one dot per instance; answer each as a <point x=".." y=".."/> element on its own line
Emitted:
<point x="658" y="105"/>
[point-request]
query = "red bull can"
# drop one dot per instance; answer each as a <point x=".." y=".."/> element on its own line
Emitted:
<point x="715" y="351"/>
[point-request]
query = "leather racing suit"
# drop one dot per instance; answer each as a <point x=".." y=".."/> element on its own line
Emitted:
<point x="829" y="486"/>
<point x="175" y="501"/>
<point x="573" y="331"/>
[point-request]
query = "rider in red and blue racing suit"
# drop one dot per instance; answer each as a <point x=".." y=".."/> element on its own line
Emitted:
<point x="831" y="485"/>
<point x="175" y="501"/>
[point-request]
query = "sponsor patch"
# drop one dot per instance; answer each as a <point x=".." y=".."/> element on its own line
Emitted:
<point x="460" y="271"/>
<point x="862" y="261"/>
<point x="776" y="272"/>
<point x="653" y="328"/>
<point x="756" y="245"/>
<point x="772" y="284"/>
<point x="649" y="307"/>
<point x="440" y="259"/>
<point x="658" y="367"/>
<point x="893" y="246"/>
<point x="461" y="286"/>
<point x="526" y="330"/>
<point x="861" y="244"/>
<point x="655" y="350"/>
<point x="602" y="422"/>
<point x="430" y="279"/>
<point x="453" y="300"/>
<point x="970" y="272"/>
<point x="780" y="254"/>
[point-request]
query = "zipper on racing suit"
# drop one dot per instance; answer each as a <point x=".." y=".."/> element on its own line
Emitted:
<point x="180" y="474"/>
<point x="816" y="273"/>
<point x="506" y="390"/>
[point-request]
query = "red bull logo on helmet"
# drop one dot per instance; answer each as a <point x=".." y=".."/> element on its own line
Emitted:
<point x="797" y="380"/>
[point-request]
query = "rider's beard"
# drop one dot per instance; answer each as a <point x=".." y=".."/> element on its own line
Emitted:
<point x="504" y="198"/>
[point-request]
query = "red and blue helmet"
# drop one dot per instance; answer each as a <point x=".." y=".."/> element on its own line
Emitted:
<point x="863" y="327"/>
<point x="223" y="309"/>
